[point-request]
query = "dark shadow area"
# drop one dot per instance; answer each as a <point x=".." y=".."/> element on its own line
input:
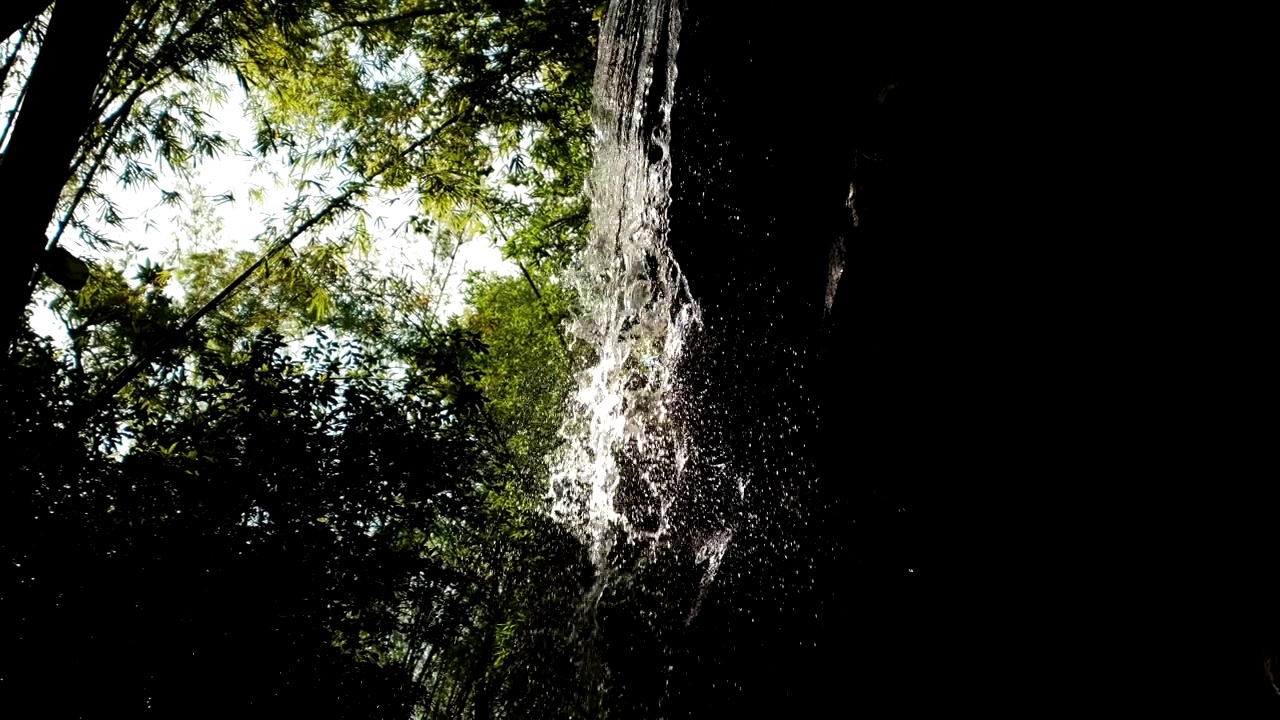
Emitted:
<point x="816" y="605"/>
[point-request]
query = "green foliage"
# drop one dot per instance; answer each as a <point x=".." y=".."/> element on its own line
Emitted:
<point x="322" y="499"/>
<point x="277" y="506"/>
<point x="528" y="371"/>
<point x="397" y="469"/>
<point x="503" y="90"/>
<point x="291" y="503"/>
<point x="148" y="106"/>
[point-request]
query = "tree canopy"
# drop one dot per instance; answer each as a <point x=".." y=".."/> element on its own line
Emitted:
<point x="280" y="481"/>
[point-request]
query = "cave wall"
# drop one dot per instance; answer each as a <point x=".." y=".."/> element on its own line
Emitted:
<point x="776" y="116"/>
<point x="1012" y="373"/>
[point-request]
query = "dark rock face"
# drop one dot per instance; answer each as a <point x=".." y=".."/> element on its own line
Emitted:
<point x="819" y="358"/>
<point x="894" y="352"/>
<point x="998" y="385"/>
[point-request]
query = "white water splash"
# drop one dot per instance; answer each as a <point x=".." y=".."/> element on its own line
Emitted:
<point x="637" y="310"/>
<point x="710" y="552"/>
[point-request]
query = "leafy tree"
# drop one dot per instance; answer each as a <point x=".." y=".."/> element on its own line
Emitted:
<point x="313" y="491"/>
<point x="264" y="523"/>
<point x="526" y="657"/>
<point x="430" y="96"/>
<point x="512" y="80"/>
<point x="530" y="364"/>
<point x="390" y="524"/>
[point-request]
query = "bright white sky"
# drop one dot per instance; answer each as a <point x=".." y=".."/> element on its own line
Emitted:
<point x="155" y="231"/>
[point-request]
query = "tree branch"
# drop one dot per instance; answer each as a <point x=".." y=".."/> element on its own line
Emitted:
<point x="113" y="125"/>
<point x="46" y="135"/>
<point x="388" y="20"/>
<point x="16" y="13"/>
<point x="124" y="377"/>
<point x="13" y="56"/>
<point x="13" y="111"/>
<point x="564" y="344"/>
<point x="554" y="325"/>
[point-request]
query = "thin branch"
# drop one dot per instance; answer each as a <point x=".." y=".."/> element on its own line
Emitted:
<point x="448" y="272"/>
<point x="77" y="352"/>
<point x="571" y="217"/>
<point x="388" y="20"/>
<point x="136" y="367"/>
<point x="554" y="325"/>
<point x="13" y="112"/>
<point x="564" y="344"/>
<point x="115" y="123"/>
<point x="127" y="44"/>
<point x="13" y="57"/>
<point x="126" y="39"/>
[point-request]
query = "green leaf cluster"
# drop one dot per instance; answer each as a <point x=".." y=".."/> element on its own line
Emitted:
<point x="322" y="498"/>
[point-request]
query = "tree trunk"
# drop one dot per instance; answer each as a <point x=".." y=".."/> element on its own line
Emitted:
<point x="16" y="13"/>
<point x="53" y="117"/>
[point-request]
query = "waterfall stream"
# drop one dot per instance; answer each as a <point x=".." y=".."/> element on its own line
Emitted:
<point x="625" y="436"/>
<point x="733" y="455"/>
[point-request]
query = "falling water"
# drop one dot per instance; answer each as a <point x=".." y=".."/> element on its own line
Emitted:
<point x="715" y="452"/>
<point x="638" y="315"/>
